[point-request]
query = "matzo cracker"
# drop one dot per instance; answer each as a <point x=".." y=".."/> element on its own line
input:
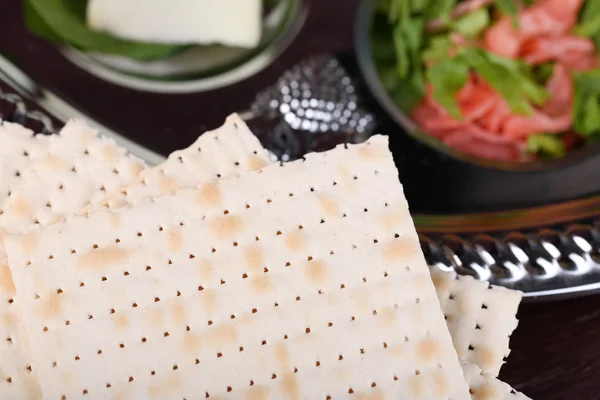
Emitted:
<point x="486" y="387"/>
<point x="481" y="318"/>
<point x="222" y="291"/>
<point x="19" y="148"/>
<point x="216" y="154"/>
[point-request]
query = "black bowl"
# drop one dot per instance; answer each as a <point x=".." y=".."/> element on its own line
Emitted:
<point x="362" y="43"/>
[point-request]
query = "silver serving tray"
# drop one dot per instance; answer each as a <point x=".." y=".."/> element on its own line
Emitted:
<point x="55" y="107"/>
<point x="548" y="252"/>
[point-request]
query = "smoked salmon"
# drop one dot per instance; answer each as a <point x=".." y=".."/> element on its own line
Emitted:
<point x="479" y="146"/>
<point x="544" y="18"/>
<point x="555" y="116"/>
<point x="565" y="49"/>
<point x="488" y="128"/>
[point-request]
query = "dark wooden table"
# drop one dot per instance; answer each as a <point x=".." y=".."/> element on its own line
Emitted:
<point x="555" y="355"/>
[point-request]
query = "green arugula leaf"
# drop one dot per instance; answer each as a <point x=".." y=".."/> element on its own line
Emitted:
<point x="37" y="25"/>
<point x="508" y="63"/>
<point x="404" y="76"/>
<point x="404" y="10"/>
<point x="402" y="49"/>
<point x="408" y="38"/>
<point x="507" y="7"/>
<point x="589" y="80"/>
<point x="383" y="7"/>
<point x="511" y="64"/>
<point x="417" y="81"/>
<point x="590" y="28"/>
<point x="439" y="9"/>
<point x="389" y="77"/>
<point x="447" y="78"/>
<point x="541" y="73"/>
<point x="509" y="78"/>
<point x="500" y="78"/>
<point x="438" y="49"/>
<point x="515" y="65"/>
<point x="591" y="115"/>
<point x="586" y="110"/>
<point x="413" y="32"/>
<point x="407" y="95"/>
<point x="66" y="19"/>
<point x="589" y="21"/>
<point x="472" y="24"/>
<point x="418" y="6"/>
<point x="590" y="11"/>
<point x="548" y="146"/>
<point x="522" y="73"/>
<point x="395" y="11"/>
<point x="534" y="92"/>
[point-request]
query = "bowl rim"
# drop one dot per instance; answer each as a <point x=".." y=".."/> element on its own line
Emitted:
<point x="247" y="64"/>
<point x="362" y="46"/>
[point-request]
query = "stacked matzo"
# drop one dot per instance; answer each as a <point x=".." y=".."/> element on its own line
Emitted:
<point x="481" y="317"/>
<point x="218" y="154"/>
<point x="48" y="178"/>
<point x="175" y="173"/>
<point x="19" y="148"/>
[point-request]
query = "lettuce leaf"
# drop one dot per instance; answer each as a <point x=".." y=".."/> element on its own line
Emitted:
<point x="505" y="76"/>
<point x="447" y="77"/>
<point x="63" y="21"/>
<point x="408" y="38"/>
<point x="36" y="24"/>
<point x="472" y="24"/>
<point x="439" y="9"/>
<point x="589" y="21"/>
<point x="401" y="48"/>
<point x="510" y="78"/>
<point x="586" y="111"/>
<point x="507" y="7"/>
<point x="547" y="146"/>
<point x="438" y="49"/>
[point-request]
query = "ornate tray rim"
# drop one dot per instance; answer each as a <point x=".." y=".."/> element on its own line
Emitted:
<point x="62" y="110"/>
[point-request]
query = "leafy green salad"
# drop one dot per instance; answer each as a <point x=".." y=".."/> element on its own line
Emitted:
<point x="505" y="80"/>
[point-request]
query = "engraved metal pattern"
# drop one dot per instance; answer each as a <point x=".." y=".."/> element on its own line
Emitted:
<point x="316" y="98"/>
<point x="13" y="109"/>
<point x="549" y="262"/>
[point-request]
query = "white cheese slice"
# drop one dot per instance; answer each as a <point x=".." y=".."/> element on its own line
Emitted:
<point x="230" y="22"/>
